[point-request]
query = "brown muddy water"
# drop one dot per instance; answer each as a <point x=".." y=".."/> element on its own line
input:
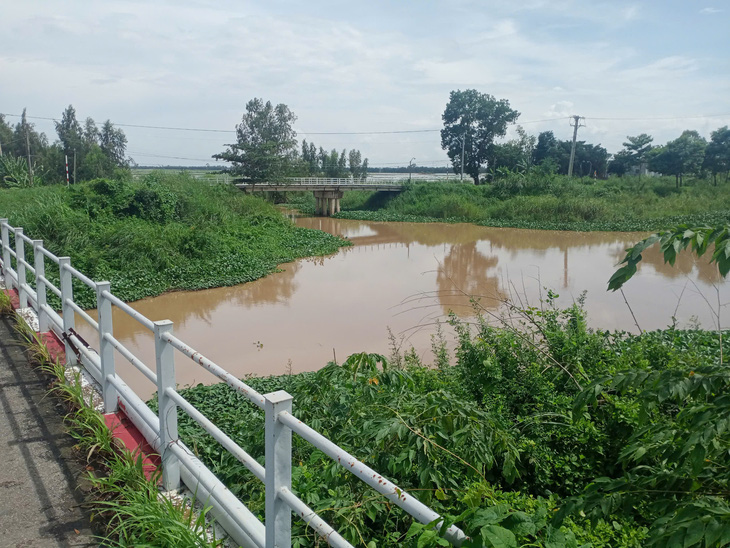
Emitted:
<point x="407" y="276"/>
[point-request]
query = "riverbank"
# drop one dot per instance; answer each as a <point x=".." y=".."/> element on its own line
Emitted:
<point x="550" y="203"/>
<point x="504" y="433"/>
<point x="162" y="233"/>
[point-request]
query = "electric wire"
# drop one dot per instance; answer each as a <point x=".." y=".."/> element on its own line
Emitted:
<point x="391" y="132"/>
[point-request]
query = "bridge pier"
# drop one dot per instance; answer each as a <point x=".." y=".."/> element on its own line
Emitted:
<point x="328" y="202"/>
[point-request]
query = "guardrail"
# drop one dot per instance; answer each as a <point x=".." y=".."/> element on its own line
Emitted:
<point x="179" y="464"/>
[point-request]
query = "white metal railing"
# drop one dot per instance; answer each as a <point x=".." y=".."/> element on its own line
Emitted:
<point x="179" y="464"/>
<point x="318" y="181"/>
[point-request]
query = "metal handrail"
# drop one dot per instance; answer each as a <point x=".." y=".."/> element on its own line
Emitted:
<point x="178" y="462"/>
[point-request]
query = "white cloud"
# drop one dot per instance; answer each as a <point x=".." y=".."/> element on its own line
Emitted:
<point x="384" y="67"/>
<point x="710" y="11"/>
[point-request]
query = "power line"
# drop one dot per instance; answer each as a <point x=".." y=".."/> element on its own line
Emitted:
<point x="404" y="131"/>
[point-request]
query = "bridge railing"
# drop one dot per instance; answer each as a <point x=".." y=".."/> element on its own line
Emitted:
<point x="179" y="464"/>
<point x="316" y="181"/>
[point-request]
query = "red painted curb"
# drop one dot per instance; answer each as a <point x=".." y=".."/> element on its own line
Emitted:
<point x="120" y="426"/>
<point x="124" y="431"/>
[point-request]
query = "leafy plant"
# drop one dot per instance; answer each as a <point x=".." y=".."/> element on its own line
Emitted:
<point x="672" y="242"/>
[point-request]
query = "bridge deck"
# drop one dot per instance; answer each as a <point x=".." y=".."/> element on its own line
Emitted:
<point x="299" y="187"/>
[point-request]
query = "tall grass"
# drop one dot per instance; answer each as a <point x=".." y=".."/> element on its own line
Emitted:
<point x="628" y="203"/>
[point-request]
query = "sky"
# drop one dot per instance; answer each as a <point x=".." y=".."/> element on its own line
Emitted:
<point x="652" y="66"/>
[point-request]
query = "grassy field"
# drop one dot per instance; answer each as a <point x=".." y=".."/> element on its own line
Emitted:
<point x="628" y="203"/>
<point x="164" y="232"/>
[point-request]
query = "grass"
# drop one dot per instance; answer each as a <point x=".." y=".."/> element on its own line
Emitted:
<point x="165" y="232"/>
<point x="130" y="505"/>
<point x="552" y="202"/>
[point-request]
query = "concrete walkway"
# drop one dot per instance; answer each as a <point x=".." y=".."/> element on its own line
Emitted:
<point x="41" y="482"/>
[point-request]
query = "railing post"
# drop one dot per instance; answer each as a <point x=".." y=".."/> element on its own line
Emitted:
<point x="20" y="268"/>
<point x="67" y="294"/>
<point x="5" y="238"/>
<point x="167" y="408"/>
<point x="40" y="286"/>
<point x="106" y="350"/>
<point x="278" y="470"/>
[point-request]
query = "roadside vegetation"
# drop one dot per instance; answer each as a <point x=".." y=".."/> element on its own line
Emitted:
<point x="548" y="434"/>
<point x="548" y="201"/>
<point x="165" y="232"/>
<point x="126" y="506"/>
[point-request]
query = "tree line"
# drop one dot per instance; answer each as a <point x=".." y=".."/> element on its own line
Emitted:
<point x="27" y="158"/>
<point x="473" y="120"/>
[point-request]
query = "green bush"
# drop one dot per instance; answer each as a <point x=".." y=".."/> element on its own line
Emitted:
<point x="162" y="233"/>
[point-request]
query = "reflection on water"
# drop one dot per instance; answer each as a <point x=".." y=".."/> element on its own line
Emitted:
<point x="404" y="275"/>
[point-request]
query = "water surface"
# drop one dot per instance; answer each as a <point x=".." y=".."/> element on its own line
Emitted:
<point x="407" y="276"/>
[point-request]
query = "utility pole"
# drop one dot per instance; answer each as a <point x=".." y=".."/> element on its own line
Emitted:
<point x="74" y="166"/>
<point x="576" y="124"/>
<point x="410" y="167"/>
<point x="463" y="141"/>
<point x="30" y="165"/>
<point x="1" y="150"/>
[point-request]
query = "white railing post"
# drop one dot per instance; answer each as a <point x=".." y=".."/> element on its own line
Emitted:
<point x="167" y="408"/>
<point x="106" y="350"/>
<point x="40" y="286"/>
<point x="5" y="238"/>
<point x="67" y="294"/>
<point x="278" y="470"/>
<point x="20" y="268"/>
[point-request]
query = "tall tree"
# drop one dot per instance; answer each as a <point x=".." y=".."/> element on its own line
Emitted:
<point x="545" y="148"/>
<point x="113" y="144"/>
<point x="717" y="153"/>
<point x="69" y="131"/>
<point x="266" y="142"/>
<point x="355" y="162"/>
<point x="472" y="121"/>
<point x="638" y="147"/>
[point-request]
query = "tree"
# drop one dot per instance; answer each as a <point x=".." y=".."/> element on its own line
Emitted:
<point x="266" y="142"/>
<point x="472" y="120"/>
<point x="637" y="149"/>
<point x="355" y="163"/>
<point x="545" y="148"/>
<point x="6" y="135"/>
<point x="69" y="132"/>
<point x="113" y="144"/>
<point x="717" y="153"/>
<point x="620" y="163"/>
<point x="679" y="157"/>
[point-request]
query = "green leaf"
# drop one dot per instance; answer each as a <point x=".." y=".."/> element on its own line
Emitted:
<point x="498" y="537"/>
<point x="695" y="532"/>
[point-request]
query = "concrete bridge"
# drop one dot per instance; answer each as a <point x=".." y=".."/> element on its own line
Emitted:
<point x="327" y="192"/>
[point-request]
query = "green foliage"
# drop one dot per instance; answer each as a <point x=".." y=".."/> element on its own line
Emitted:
<point x="5" y="305"/>
<point x="671" y="243"/>
<point x="502" y="441"/>
<point x="14" y="173"/>
<point x="538" y="199"/>
<point x="472" y="121"/>
<point x="162" y="233"/>
<point x="266" y="143"/>
<point x="137" y="515"/>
